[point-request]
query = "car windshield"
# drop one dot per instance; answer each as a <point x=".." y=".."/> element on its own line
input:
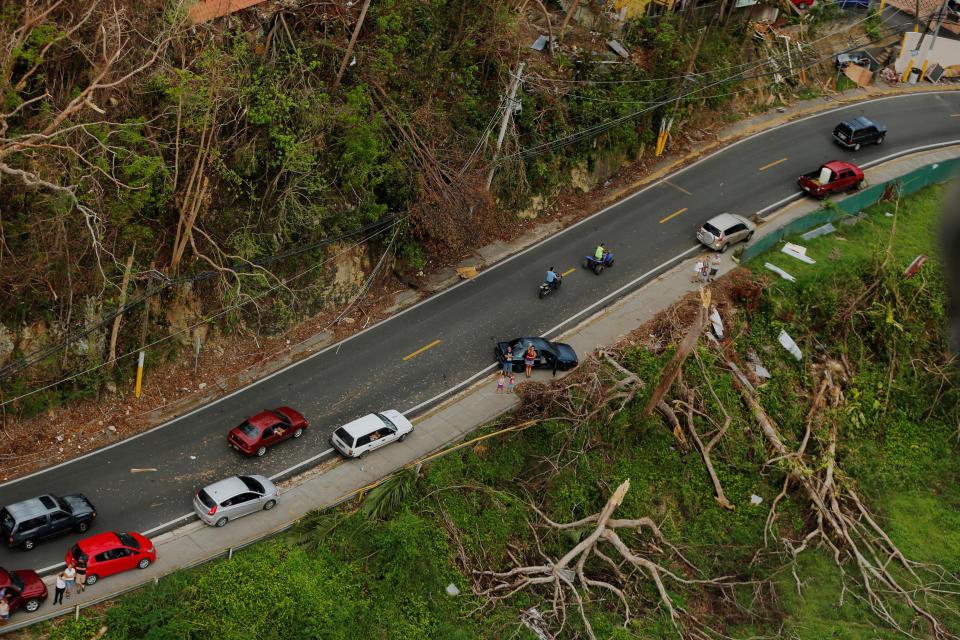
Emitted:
<point x="279" y="416"/>
<point x="16" y="581"/>
<point x="249" y="430"/>
<point x="844" y="129"/>
<point x="712" y="230"/>
<point x="205" y="499"/>
<point x="344" y="437"/>
<point x="252" y="484"/>
<point x="6" y="521"/>
<point x="63" y="505"/>
<point x="387" y="421"/>
<point x="127" y="540"/>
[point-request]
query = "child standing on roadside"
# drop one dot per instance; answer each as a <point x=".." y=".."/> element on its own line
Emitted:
<point x="510" y="384"/>
<point x="500" y="382"/>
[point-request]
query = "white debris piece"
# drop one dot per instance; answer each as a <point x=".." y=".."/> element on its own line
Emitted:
<point x="783" y="274"/>
<point x="618" y="48"/>
<point x="790" y="345"/>
<point x="532" y="620"/>
<point x="755" y="499"/>
<point x="798" y="252"/>
<point x="717" y="323"/>
<point x="819" y="231"/>
<point x="452" y="590"/>
<point x="761" y="371"/>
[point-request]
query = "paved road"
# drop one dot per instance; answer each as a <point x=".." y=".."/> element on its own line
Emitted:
<point x="368" y="372"/>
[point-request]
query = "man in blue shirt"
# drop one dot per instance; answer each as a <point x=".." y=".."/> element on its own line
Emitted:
<point x="552" y="277"/>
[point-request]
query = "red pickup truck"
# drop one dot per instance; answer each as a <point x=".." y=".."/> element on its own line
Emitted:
<point x="831" y="177"/>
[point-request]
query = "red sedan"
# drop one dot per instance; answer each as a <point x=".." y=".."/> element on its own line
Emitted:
<point x="113" y="552"/>
<point x="24" y="589"/>
<point x="266" y="429"/>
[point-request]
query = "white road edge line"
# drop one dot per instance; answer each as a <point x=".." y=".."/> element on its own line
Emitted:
<point x="300" y="464"/>
<point x="337" y="345"/>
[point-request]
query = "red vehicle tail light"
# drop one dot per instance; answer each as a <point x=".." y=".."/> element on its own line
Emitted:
<point x="350" y="452"/>
<point x="212" y="511"/>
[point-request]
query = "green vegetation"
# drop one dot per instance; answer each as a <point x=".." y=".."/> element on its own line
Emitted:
<point x="237" y="143"/>
<point x="380" y="570"/>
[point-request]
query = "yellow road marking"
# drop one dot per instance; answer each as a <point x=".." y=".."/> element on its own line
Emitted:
<point x="773" y="164"/>
<point x="568" y="271"/>
<point x="955" y="115"/>
<point x="676" y="187"/>
<point x="419" y="351"/>
<point x="673" y="214"/>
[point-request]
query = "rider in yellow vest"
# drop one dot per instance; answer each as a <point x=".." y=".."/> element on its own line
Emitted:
<point x="601" y="252"/>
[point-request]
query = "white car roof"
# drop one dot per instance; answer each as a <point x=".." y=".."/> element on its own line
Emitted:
<point x="724" y="221"/>
<point x="234" y="486"/>
<point x="371" y="422"/>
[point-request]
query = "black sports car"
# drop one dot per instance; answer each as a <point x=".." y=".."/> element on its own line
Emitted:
<point x="548" y="353"/>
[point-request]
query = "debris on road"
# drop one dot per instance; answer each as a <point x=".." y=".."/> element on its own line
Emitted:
<point x="142" y="470"/>
<point x="783" y="274"/>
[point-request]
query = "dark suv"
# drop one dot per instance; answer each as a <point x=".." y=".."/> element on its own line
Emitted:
<point x="855" y="133"/>
<point x="25" y="523"/>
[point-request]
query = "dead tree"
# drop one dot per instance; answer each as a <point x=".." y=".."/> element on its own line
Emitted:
<point x="844" y="524"/>
<point x="570" y="578"/>
<point x="116" y="54"/>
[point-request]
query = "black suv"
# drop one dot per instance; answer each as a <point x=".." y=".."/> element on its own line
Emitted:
<point x="852" y="134"/>
<point x="25" y="523"/>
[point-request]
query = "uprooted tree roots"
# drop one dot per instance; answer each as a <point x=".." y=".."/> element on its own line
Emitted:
<point x="571" y="578"/>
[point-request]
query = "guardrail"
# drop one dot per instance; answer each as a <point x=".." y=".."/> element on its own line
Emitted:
<point x="229" y="551"/>
<point x="908" y="183"/>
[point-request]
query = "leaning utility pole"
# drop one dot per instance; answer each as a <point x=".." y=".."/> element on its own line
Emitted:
<point x="509" y="108"/>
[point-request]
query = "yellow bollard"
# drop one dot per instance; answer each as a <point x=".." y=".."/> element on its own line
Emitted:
<point x="906" y="74"/>
<point x="139" y="374"/>
<point x="923" y="71"/>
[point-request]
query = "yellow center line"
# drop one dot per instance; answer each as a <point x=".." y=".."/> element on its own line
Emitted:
<point x="673" y="214"/>
<point x="568" y="271"/>
<point x="773" y="164"/>
<point x="676" y="187"/>
<point x="418" y="351"/>
<point x="955" y="115"/>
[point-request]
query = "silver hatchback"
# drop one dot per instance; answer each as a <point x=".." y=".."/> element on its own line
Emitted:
<point x="721" y="231"/>
<point x="234" y="497"/>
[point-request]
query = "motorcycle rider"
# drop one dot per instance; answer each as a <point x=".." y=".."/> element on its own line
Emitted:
<point x="553" y="278"/>
<point x="600" y="255"/>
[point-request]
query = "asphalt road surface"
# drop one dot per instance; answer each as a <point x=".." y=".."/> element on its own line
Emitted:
<point x="369" y="372"/>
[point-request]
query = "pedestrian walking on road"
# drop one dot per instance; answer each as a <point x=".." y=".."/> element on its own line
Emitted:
<point x="529" y="358"/>
<point x="70" y="573"/>
<point x="697" y="270"/>
<point x="61" y="586"/>
<point x="510" y="384"/>
<point x="82" y="574"/>
<point x="500" y="379"/>
<point x="714" y="266"/>
<point x="508" y="360"/>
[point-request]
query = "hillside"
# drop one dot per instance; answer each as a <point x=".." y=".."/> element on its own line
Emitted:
<point x="170" y="184"/>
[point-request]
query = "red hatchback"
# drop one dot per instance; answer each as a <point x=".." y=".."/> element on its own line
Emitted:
<point x="113" y="552"/>
<point x="24" y="589"/>
<point x="266" y="429"/>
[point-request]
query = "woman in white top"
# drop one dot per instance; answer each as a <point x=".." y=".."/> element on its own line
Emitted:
<point x="61" y="587"/>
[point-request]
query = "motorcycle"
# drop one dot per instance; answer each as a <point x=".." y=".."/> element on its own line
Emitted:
<point x="590" y="262"/>
<point x="547" y="287"/>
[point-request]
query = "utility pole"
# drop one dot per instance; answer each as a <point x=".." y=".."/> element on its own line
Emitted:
<point x="933" y="40"/>
<point x="509" y="108"/>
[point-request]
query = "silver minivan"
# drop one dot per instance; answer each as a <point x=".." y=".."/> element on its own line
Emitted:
<point x="370" y="432"/>
<point x="234" y="497"/>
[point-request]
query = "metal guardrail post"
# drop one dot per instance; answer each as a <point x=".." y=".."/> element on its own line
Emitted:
<point x="230" y="553"/>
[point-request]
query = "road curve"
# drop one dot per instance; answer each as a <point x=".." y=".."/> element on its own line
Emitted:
<point x="372" y="370"/>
